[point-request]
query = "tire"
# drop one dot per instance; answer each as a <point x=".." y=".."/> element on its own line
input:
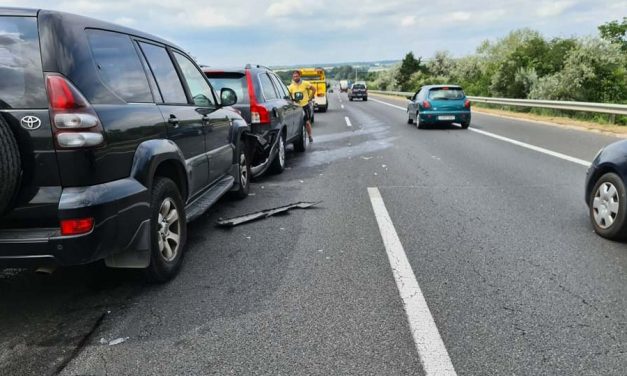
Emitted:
<point x="350" y="99"/>
<point x="419" y="123"/>
<point x="10" y="165"/>
<point x="365" y="99"/>
<point x="409" y="119"/>
<point x="278" y="164"/>
<point x="465" y="124"/>
<point x="243" y="173"/>
<point x="166" y="261"/>
<point x="608" y="207"/>
<point x="300" y="145"/>
<point x="323" y="108"/>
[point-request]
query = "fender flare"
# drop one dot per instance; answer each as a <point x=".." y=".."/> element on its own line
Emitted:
<point x="150" y="154"/>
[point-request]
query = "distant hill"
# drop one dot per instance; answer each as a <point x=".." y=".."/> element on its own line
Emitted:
<point x="370" y="65"/>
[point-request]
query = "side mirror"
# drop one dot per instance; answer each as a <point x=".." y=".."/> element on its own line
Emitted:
<point x="228" y="97"/>
<point x="298" y="96"/>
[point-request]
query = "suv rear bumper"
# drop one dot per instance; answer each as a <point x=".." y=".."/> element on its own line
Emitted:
<point x="121" y="212"/>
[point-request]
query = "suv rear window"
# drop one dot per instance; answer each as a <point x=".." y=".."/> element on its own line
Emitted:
<point x="21" y="75"/>
<point x="359" y="86"/>
<point x="235" y="81"/>
<point x="119" y="66"/>
<point x="444" y="93"/>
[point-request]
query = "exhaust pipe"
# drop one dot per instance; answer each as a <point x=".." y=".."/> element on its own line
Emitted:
<point x="46" y="270"/>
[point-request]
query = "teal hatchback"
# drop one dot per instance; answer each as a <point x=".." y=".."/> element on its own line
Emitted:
<point x="439" y="104"/>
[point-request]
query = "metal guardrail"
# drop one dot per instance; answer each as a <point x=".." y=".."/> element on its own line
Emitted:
<point x="604" y="108"/>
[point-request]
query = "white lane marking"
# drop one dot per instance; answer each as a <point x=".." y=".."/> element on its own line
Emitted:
<point x="433" y="354"/>
<point x="533" y="147"/>
<point x="348" y="121"/>
<point x="389" y="104"/>
<point x="342" y="106"/>
<point x="515" y="142"/>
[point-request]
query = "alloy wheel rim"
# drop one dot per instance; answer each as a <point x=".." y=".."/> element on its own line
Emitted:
<point x="281" y="151"/>
<point x="243" y="170"/>
<point x="605" y="205"/>
<point x="168" y="230"/>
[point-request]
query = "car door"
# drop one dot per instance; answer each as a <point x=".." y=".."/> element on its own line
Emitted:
<point x="216" y="119"/>
<point x="288" y="106"/>
<point x="184" y="123"/>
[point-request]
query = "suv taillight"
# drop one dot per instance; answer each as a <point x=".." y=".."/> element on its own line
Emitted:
<point x="467" y="103"/>
<point x="75" y="123"/>
<point x="258" y="114"/>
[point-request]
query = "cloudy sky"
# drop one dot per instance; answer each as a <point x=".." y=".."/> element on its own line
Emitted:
<point x="285" y="32"/>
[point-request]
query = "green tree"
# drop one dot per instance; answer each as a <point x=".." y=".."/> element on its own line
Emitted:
<point x="615" y="32"/>
<point x="409" y="66"/>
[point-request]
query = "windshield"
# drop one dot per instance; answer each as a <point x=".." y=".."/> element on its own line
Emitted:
<point x="21" y="76"/>
<point x="235" y="82"/>
<point x="446" y="93"/>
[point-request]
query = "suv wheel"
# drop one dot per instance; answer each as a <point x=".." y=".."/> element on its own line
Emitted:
<point x="244" y="174"/>
<point x="608" y="204"/>
<point x="168" y="230"/>
<point x="300" y="145"/>
<point x="278" y="165"/>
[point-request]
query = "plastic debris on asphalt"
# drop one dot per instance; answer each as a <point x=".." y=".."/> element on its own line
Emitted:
<point x="117" y="341"/>
<point x="366" y="158"/>
<point x="232" y="222"/>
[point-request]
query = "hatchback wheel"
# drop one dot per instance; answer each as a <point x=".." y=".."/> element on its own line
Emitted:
<point x="169" y="231"/>
<point x="607" y="207"/>
<point x="419" y="123"/>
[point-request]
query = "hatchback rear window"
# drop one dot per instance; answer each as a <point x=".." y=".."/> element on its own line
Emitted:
<point x="359" y="86"/>
<point x="445" y="93"/>
<point x="21" y="75"/>
<point x="235" y="81"/>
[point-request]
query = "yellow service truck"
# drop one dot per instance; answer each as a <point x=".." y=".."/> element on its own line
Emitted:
<point x="318" y="78"/>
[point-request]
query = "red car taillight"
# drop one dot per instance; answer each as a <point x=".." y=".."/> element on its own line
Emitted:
<point x="426" y="105"/>
<point x="258" y="114"/>
<point x="467" y="103"/>
<point x="74" y="122"/>
<point x="76" y="226"/>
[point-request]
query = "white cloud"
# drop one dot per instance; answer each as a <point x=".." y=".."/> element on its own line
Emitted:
<point x="554" y="8"/>
<point x="461" y="16"/>
<point x="408" y="21"/>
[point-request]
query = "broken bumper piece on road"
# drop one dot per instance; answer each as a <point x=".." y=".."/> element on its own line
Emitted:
<point x="232" y="222"/>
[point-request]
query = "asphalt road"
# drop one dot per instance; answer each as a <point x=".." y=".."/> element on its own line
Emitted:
<point x="497" y="236"/>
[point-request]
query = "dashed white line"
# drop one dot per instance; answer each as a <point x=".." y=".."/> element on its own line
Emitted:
<point x="431" y="350"/>
<point x="342" y="106"/>
<point x="348" y="121"/>
<point x="533" y="147"/>
<point x="512" y="141"/>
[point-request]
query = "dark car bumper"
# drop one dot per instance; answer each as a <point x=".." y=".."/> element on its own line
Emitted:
<point x="441" y="117"/>
<point x="121" y="212"/>
<point x="358" y="95"/>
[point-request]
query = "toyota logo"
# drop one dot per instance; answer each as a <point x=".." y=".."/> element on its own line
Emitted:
<point x="31" y="122"/>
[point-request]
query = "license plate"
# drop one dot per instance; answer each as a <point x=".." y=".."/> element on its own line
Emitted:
<point x="446" y="117"/>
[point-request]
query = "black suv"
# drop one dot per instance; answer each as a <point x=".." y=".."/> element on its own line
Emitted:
<point x="274" y="118"/>
<point x="111" y="140"/>
<point x="358" y="90"/>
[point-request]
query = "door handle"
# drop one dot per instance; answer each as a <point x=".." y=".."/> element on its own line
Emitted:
<point x="173" y="120"/>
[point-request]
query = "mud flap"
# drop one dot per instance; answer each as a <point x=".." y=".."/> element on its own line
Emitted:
<point x="137" y="254"/>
